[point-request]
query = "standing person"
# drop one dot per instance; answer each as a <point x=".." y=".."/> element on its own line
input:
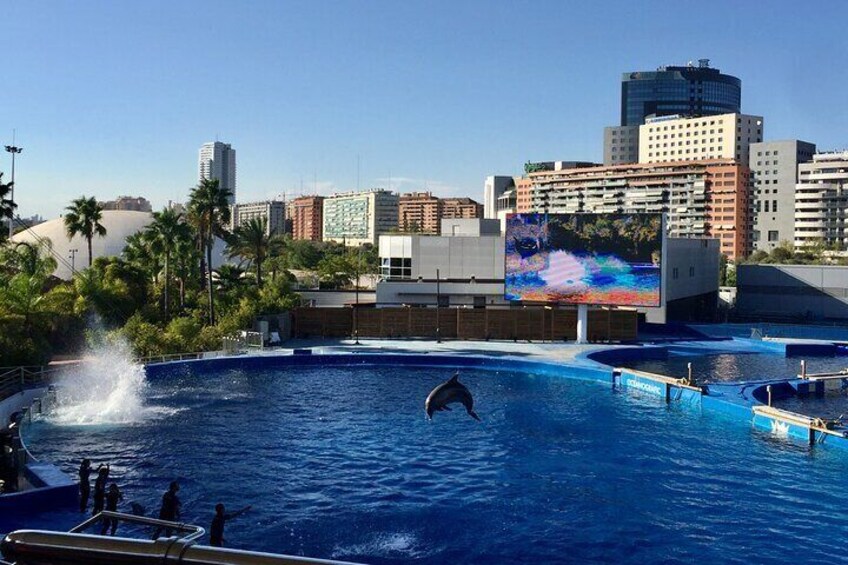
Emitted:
<point x="84" y="483"/>
<point x="100" y="489"/>
<point x="170" y="509"/>
<point x="112" y="498"/>
<point x="216" y="532"/>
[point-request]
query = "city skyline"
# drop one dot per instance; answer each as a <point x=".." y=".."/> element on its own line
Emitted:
<point x="368" y="95"/>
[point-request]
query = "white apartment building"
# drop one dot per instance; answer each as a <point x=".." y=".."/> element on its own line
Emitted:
<point x="821" y="201"/>
<point x="274" y="212"/>
<point x="493" y="188"/>
<point x="354" y="218"/>
<point x="674" y="138"/>
<point x="218" y="161"/>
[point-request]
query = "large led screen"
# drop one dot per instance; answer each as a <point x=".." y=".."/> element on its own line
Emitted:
<point x="611" y="259"/>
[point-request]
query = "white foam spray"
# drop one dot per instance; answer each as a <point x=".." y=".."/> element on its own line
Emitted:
<point x="107" y="387"/>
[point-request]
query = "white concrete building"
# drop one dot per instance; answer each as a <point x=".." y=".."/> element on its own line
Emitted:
<point x="821" y="201"/>
<point x="354" y="218"/>
<point x="493" y="188"/>
<point x="218" y="161"/>
<point x="274" y="212"/>
<point x="674" y="138"/>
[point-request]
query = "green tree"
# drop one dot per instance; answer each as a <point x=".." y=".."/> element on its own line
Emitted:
<point x="166" y="230"/>
<point x="210" y="212"/>
<point x="337" y="271"/>
<point x="251" y="241"/>
<point x="83" y="218"/>
<point x="7" y="206"/>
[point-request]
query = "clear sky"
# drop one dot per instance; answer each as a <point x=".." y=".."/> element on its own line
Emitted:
<point x="116" y="96"/>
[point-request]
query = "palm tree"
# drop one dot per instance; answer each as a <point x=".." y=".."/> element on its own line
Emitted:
<point x="163" y="234"/>
<point x="83" y="217"/>
<point x="7" y="206"/>
<point x="252" y="242"/>
<point x="210" y="211"/>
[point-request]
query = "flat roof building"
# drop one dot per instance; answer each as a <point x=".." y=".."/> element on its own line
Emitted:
<point x="273" y="211"/>
<point x="419" y="212"/>
<point x="701" y="198"/>
<point x="461" y="208"/>
<point x="306" y="216"/>
<point x="354" y="218"/>
<point x="774" y="175"/>
<point x="675" y="138"/>
<point x="821" y="201"/>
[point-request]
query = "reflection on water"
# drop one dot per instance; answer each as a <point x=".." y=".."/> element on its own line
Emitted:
<point x="734" y="367"/>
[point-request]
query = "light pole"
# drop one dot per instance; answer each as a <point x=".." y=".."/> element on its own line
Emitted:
<point x="73" y="257"/>
<point x="356" y="308"/>
<point x="438" y="307"/>
<point x="14" y="151"/>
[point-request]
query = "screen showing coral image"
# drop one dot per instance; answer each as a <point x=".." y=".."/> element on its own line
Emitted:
<point x="611" y="259"/>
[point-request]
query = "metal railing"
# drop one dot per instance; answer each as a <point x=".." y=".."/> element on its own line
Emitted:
<point x="35" y="547"/>
<point x="17" y="379"/>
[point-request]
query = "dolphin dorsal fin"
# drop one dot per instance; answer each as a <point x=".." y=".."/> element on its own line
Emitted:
<point x="454" y="378"/>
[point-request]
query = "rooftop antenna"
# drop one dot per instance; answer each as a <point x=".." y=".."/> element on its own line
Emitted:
<point x="315" y="181"/>
<point x="357" y="172"/>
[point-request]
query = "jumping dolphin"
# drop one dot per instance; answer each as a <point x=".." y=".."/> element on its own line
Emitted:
<point x="448" y="393"/>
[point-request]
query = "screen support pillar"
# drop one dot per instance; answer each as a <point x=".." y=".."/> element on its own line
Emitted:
<point x="582" y="323"/>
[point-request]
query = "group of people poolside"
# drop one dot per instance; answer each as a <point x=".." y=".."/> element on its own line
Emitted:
<point x="108" y="499"/>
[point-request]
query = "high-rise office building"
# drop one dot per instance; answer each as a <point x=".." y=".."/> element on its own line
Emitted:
<point x="354" y="218"/>
<point x="675" y="138"/>
<point x="774" y="174"/>
<point x="821" y="201"/>
<point x="218" y="161"/>
<point x="688" y="90"/>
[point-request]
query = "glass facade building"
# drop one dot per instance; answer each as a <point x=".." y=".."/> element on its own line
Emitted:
<point x="688" y="91"/>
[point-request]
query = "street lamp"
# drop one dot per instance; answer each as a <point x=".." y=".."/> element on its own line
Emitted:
<point x="438" y="307"/>
<point x="72" y="255"/>
<point x="356" y="309"/>
<point x="14" y="151"/>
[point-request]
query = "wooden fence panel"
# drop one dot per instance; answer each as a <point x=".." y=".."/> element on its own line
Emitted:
<point x="533" y="324"/>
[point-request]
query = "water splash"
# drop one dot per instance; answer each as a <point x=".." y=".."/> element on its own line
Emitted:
<point x="106" y="388"/>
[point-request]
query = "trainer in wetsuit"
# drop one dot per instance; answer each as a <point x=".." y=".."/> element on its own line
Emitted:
<point x="216" y="532"/>
<point x="112" y="498"/>
<point x="170" y="509"/>
<point x="100" y="489"/>
<point x="84" y="483"/>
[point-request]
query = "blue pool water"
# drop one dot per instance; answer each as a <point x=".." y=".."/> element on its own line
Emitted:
<point x="341" y="463"/>
<point x="736" y="367"/>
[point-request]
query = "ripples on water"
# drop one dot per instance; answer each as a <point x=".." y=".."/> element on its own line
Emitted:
<point x="342" y="463"/>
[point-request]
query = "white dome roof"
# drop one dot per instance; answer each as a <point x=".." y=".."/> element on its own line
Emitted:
<point x="119" y="225"/>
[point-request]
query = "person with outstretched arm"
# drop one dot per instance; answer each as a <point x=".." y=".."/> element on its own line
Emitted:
<point x="170" y="509"/>
<point x="216" y="532"/>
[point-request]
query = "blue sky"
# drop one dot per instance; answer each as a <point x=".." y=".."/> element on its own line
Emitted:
<point x="116" y="97"/>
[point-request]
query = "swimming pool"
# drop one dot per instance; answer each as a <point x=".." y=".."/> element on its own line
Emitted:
<point x="340" y="462"/>
<point x="736" y="367"/>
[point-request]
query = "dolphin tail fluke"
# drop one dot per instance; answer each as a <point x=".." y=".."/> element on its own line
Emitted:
<point x="474" y="415"/>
